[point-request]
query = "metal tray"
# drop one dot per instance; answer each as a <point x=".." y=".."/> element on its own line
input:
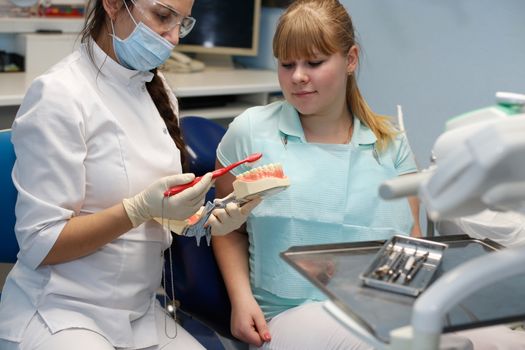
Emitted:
<point x="404" y="265"/>
<point x="380" y="311"/>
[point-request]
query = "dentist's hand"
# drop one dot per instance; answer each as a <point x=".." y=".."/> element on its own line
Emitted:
<point x="148" y="203"/>
<point x="230" y="218"/>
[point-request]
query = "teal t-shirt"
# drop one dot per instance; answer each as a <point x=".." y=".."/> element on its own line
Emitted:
<point x="333" y="196"/>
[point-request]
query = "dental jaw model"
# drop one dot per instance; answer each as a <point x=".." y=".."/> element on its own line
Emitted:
<point x="258" y="182"/>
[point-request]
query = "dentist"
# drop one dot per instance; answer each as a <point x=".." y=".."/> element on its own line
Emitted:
<point x="97" y="143"/>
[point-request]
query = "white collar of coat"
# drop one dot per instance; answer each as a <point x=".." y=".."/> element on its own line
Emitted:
<point x="112" y="69"/>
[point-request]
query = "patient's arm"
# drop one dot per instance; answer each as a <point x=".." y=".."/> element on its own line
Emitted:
<point x="414" y="207"/>
<point x="231" y="251"/>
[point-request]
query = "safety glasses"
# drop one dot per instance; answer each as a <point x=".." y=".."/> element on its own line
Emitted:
<point x="163" y="18"/>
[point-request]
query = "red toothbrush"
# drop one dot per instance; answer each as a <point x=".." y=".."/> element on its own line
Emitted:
<point x="179" y="188"/>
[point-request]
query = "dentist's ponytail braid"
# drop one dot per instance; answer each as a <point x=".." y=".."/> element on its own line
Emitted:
<point x="157" y="91"/>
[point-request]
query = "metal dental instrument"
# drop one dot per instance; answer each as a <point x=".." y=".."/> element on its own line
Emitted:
<point x="387" y="267"/>
<point x="416" y="267"/>
<point x="395" y="265"/>
<point x="383" y="266"/>
<point x="407" y="267"/>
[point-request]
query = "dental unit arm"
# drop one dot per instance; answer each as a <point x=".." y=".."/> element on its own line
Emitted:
<point x="479" y="164"/>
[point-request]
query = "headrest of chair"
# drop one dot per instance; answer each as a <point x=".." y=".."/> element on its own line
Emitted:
<point x="9" y="247"/>
<point x="202" y="136"/>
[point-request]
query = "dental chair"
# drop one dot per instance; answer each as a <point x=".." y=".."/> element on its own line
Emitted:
<point x="9" y="247"/>
<point x="198" y="285"/>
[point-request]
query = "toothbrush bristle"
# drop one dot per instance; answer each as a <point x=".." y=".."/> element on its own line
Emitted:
<point x="265" y="171"/>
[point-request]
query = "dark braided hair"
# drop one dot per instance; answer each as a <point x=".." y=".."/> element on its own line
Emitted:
<point x="157" y="91"/>
<point x="93" y="29"/>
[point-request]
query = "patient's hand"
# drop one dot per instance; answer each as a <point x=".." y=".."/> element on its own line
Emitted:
<point x="248" y="323"/>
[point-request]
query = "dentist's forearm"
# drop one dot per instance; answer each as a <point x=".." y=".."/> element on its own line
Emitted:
<point x="83" y="235"/>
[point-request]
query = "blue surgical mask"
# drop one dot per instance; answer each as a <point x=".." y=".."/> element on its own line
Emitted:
<point x="143" y="49"/>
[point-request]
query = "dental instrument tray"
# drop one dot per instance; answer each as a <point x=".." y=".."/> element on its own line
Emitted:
<point x="404" y="265"/>
<point x="334" y="270"/>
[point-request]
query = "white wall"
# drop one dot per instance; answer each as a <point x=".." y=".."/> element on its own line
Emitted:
<point x="438" y="58"/>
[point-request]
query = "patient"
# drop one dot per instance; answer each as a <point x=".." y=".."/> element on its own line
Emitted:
<point x="335" y="151"/>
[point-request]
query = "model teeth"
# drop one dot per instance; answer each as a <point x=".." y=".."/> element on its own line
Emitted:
<point x="260" y="182"/>
<point x="269" y="170"/>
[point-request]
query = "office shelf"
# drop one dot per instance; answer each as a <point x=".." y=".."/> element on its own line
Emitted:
<point x="35" y="24"/>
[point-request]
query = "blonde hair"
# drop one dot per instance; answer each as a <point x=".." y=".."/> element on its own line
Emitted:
<point x="310" y="27"/>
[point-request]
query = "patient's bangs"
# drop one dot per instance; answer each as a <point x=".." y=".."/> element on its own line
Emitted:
<point x="301" y="37"/>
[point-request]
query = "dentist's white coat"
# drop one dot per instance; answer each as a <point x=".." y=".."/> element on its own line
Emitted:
<point x="89" y="138"/>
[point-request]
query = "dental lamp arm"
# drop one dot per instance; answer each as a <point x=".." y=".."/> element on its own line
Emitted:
<point x="486" y="171"/>
<point x="477" y="167"/>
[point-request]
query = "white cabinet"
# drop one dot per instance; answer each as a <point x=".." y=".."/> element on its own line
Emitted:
<point x="36" y="24"/>
<point x="242" y="87"/>
<point x="221" y="93"/>
<point x="42" y="41"/>
<point x="41" y="51"/>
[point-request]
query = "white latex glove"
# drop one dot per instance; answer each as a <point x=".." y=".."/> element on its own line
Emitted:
<point x="148" y="203"/>
<point x="230" y="218"/>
